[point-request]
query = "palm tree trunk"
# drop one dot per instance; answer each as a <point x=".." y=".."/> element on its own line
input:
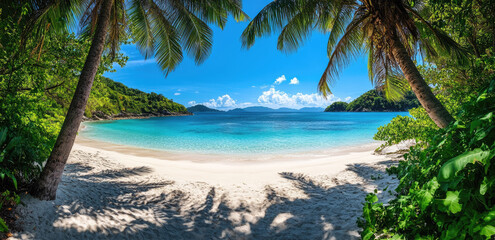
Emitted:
<point x="46" y="187"/>
<point x="437" y="112"/>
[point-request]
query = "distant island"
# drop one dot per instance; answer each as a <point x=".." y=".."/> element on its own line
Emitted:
<point x="201" y="108"/>
<point x="259" y="109"/>
<point x="374" y="101"/>
<point x="280" y="110"/>
<point x="114" y="100"/>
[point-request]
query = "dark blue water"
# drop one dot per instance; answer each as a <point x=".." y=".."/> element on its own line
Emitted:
<point x="243" y="132"/>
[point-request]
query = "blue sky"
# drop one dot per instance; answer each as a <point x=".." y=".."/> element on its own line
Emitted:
<point x="236" y="77"/>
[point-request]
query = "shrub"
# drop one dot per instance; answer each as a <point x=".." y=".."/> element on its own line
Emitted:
<point x="446" y="190"/>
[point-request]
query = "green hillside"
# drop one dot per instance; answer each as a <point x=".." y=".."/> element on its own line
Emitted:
<point x="201" y="108"/>
<point x="113" y="99"/>
<point x="374" y="101"/>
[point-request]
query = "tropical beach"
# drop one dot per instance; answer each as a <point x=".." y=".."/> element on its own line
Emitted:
<point x="232" y="119"/>
<point x="121" y="195"/>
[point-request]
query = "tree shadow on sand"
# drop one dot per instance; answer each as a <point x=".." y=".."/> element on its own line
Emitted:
<point x="120" y="210"/>
<point x="326" y="213"/>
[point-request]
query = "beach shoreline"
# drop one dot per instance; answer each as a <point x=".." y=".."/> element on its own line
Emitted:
<point x="109" y="194"/>
<point x="230" y="158"/>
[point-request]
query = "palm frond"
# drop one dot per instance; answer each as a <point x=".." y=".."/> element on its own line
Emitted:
<point x="348" y="47"/>
<point x="117" y="27"/>
<point x="196" y="35"/>
<point x="395" y="87"/>
<point x="342" y="16"/>
<point x="271" y="18"/>
<point x="216" y="12"/>
<point x="298" y="28"/>
<point x="442" y="39"/>
<point x="140" y="25"/>
<point x="166" y="39"/>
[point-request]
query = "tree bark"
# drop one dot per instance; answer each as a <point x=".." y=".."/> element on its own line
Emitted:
<point x="46" y="187"/>
<point x="437" y="112"/>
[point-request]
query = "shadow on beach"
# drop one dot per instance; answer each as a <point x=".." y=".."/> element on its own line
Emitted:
<point x="105" y="205"/>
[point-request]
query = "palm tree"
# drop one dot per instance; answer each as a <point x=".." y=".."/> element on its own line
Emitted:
<point x="391" y="32"/>
<point x="160" y="28"/>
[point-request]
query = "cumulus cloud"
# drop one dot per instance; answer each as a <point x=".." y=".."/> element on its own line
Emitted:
<point x="177" y="93"/>
<point x="347" y="99"/>
<point x="294" y="81"/>
<point x="275" y="98"/>
<point x="280" y="80"/>
<point x="224" y="101"/>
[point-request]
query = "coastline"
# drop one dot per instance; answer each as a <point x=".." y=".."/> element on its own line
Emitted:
<point x="229" y="158"/>
<point x="122" y="116"/>
<point x="109" y="192"/>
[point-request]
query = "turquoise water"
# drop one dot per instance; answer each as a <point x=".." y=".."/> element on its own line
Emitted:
<point x="242" y="132"/>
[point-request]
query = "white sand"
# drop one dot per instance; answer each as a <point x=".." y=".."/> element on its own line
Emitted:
<point x="109" y="195"/>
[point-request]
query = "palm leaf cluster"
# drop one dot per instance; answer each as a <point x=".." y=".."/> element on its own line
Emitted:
<point x="355" y="28"/>
<point x="162" y="29"/>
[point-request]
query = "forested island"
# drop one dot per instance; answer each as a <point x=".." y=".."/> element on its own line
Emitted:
<point x="374" y="101"/>
<point x="110" y="100"/>
<point x="201" y="108"/>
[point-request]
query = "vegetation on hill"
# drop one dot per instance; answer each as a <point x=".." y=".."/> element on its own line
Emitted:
<point x="337" y="107"/>
<point x="201" y="108"/>
<point x="113" y="99"/>
<point x="374" y="101"/>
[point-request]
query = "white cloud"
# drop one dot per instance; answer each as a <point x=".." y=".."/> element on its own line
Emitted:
<point x="224" y="101"/>
<point x="294" y="81"/>
<point x="280" y="80"/>
<point x="275" y="99"/>
<point x="177" y="93"/>
<point x="347" y="99"/>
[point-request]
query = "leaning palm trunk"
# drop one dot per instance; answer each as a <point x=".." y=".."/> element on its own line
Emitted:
<point x="46" y="186"/>
<point x="437" y="112"/>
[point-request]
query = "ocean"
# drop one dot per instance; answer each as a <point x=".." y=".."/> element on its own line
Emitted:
<point x="243" y="133"/>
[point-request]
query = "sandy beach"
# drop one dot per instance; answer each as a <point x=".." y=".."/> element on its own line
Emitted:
<point x="109" y="192"/>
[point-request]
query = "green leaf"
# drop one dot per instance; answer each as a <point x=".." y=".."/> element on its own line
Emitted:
<point x="488" y="231"/>
<point x="489" y="217"/>
<point x="451" y="202"/>
<point x="3" y="226"/>
<point x="454" y="165"/>
<point x="372" y="198"/>
<point x="485" y="185"/>
<point x="426" y="195"/>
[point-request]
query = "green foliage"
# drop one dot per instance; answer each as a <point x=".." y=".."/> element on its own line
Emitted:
<point x="8" y="199"/>
<point x="451" y="92"/>
<point x="113" y="98"/>
<point x="201" y="108"/>
<point x="37" y="82"/>
<point x="374" y="101"/>
<point x="337" y="107"/>
<point x="419" y="127"/>
<point x="447" y="190"/>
